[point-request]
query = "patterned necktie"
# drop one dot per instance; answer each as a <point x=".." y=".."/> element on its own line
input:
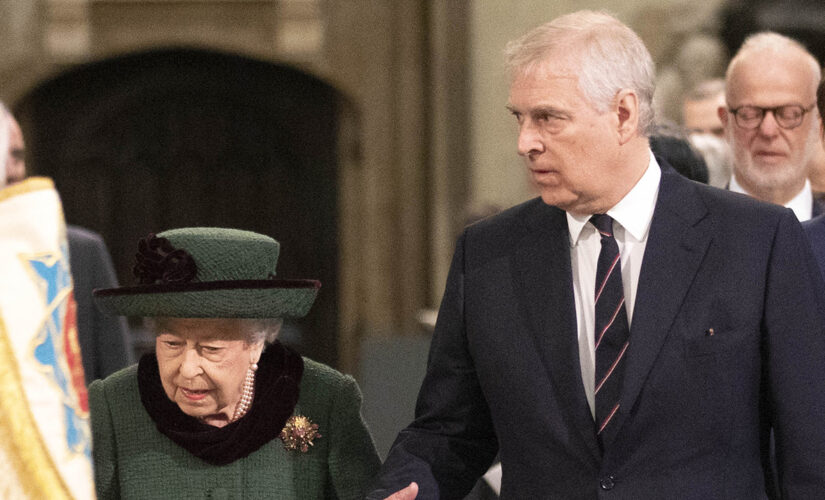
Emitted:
<point x="612" y="331"/>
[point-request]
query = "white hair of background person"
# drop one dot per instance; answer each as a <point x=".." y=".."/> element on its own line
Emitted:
<point x="776" y="43"/>
<point x="611" y="58"/>
<point x="716" y="153"/>
<point x="4" y="143"/>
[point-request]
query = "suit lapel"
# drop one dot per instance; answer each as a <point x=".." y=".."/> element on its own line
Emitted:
<point x="543" y="272"/>
<point x="673" y="255"/>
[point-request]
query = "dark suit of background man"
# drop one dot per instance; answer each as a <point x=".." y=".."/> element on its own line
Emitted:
<point x="816" y="226"/>
<point x="724" y="303"/>
<point x="104" y="340"/>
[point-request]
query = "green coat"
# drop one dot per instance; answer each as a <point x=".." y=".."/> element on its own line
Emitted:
<point x="132" y="459"/>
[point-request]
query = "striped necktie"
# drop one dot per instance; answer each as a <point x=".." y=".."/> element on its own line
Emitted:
<point x="612" y="331"/>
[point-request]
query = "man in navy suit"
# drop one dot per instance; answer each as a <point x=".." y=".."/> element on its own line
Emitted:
<point x="715" y="327"/>
<point x="771" y="122"/>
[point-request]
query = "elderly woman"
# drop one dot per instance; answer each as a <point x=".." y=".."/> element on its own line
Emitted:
<point x="221" y="409"/>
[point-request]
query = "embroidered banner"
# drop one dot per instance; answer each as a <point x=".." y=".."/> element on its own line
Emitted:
<point x="45" y="441"/>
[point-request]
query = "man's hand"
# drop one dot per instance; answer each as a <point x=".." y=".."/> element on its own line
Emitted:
<point x="408" y="493"/>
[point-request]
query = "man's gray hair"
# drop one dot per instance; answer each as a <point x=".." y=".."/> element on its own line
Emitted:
<point x="775" y="44"/>
<point x="254" y="330"/>
<point x="611" y="58"/>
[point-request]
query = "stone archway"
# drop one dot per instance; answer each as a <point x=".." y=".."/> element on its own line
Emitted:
<point x="181" y="137"/>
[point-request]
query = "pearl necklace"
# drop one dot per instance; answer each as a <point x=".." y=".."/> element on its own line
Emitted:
<point x="247" y="393"/>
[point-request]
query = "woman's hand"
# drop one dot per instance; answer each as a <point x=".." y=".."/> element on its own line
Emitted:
<point x="408" y="493"/>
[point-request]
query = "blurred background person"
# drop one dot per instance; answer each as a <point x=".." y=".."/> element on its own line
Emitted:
<point x="700" y="107"/>
<point x="669" y="143"/>
<point x="4" y="144"/>
<point x="700" y="118"/>
<point x="697" y="57"/>
<point x="771" y="121"/>
<point x="716" y="154"/>
<point x="15" y="163"/>
<point x="104" y="340"/>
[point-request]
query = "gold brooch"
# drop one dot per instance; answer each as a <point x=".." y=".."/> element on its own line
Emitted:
<point x="298" y="433"/>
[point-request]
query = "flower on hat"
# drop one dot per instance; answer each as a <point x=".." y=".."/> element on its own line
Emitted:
<point x="298" y="433"/>
<point x="157" y="261"/>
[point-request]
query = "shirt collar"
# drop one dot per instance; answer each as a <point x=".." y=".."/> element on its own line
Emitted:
<point x="801" y="204"/>
<point x="634" y="212"/>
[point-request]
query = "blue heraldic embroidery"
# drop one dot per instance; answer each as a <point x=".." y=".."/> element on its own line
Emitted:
<point x="53" y="349"/>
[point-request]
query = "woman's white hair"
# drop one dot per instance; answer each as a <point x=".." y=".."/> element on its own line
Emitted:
<point x="610" y="56"/>
<point x="265" y="330"/>
<point x="254" y="330"/>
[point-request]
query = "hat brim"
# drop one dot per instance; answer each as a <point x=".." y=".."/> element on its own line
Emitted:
<point x="215" y="299"/>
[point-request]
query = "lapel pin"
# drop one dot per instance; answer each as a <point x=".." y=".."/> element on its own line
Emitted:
<point x="709" y="332"/>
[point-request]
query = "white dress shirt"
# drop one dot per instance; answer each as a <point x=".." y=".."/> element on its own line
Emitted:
<point x="631" y="216"/>
<point x="802" y="204"/>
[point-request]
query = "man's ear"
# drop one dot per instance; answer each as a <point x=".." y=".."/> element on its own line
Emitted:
<point x="627" y="110"/>
<point x="722" y="111"/>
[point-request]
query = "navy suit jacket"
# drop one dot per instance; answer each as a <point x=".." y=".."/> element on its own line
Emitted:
<point x="815" y="228"/>
<point x="504" y="375"/>
<point x="818" y="208"/>
<point x="104" y="339"/>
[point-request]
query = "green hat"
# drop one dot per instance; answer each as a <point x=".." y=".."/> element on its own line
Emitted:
<point x="209" y="272"/>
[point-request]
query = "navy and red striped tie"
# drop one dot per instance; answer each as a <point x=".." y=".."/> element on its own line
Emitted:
<point x="612" y="331"/>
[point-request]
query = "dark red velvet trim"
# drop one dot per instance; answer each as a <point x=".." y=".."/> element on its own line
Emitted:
<point x="202" y="286"/>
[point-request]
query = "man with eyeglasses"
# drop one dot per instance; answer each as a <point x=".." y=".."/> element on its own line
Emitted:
<point x="771" y="121"/>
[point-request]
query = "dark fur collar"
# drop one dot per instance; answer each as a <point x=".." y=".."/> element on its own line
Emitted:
<point x="277" y="384"/>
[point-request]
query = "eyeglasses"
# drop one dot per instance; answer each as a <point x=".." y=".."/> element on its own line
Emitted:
<point x="788" y="116"/>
